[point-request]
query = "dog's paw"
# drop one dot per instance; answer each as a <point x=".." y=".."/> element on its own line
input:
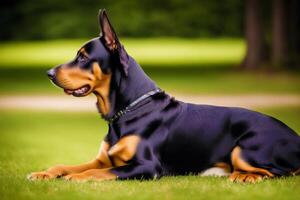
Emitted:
<point x="246" y="177"/>
<point x="41" y="176"/>
<point x="51" y="173"/>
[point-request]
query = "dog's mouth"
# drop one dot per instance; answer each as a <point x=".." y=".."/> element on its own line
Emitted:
<point x="80" y="92"/>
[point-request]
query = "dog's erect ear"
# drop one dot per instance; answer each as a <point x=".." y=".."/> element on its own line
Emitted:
<point x="111" y="40"/>
<point x="108" y="33"/>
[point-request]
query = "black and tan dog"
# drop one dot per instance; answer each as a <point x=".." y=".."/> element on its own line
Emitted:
<point x="152" y="135"/>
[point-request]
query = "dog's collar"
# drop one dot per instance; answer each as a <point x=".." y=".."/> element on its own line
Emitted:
<point x="130" y="106"/>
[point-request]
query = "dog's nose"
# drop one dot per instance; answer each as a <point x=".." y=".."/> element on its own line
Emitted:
<point x="51" y="73"/>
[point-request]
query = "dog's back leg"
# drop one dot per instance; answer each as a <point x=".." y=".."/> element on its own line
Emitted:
<point x="243" y="171"/>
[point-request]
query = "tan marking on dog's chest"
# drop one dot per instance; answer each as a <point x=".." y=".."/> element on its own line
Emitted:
<point x="124" y="150"/>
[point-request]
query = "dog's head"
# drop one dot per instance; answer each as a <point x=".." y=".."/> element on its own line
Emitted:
<point x="95" y="62"/>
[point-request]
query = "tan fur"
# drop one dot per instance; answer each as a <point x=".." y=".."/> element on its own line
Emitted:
<point x="102" y="88"/>
<point x="244" y="177"/>
<point x="120" y="153"/>
<point x="92" y="174"/>
<point x="124" y="150"/>
<point x="224" y="166"/>
<point x="62" y="170"/>
<point x="102" y="156"/>
<point x="82" y="50"/>
<point x="243" y="171"/>
<point x="73" y="77"/>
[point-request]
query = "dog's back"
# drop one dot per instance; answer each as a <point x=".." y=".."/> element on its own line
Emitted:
<point x="204" y="135"/>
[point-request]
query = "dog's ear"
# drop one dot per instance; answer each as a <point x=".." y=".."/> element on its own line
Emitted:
<point x="111" y="40"/>
<point x="108" y="34"/>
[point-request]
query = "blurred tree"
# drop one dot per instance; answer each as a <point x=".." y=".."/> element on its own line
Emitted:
<point x="51" y="19"/>
<point x="279" y="30"/>
<point x="284" y="33"/>
<point x="254" y="35"/>
<point x="293" y="33"/>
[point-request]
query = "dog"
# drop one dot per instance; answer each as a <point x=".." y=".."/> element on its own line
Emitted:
<point x="153" y="135"/>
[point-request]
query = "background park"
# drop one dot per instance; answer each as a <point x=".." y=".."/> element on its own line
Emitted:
<point x="232" y="52"/>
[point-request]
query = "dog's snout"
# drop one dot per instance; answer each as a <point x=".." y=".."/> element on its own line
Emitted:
<point x="51" y="73"/>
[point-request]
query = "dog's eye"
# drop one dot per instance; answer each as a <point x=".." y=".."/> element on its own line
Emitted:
<point x="81" y="58"/>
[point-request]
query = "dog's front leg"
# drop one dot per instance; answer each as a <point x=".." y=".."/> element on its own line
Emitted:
<point x="62" y="170"/>
<point x="102" y="161"/>
<point x="129" y="162"/>
<point x="92" y="174"/>
<point x="148" y="170"/>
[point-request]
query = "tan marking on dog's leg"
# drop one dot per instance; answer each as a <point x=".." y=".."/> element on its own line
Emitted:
<point x="124" y="150"/>
<point x="62" y="170"/>
<point x="92" y="174"/>
<point x="118" y="161"/>
<point x="243" y="171"/>
<point x="102" y="156"/>
<point x="240" y="165"/>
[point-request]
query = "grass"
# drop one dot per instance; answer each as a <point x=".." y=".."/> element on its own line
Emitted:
<point x="155" y="51"/>
<point x="31" y="141"/>
<point x="187" y="80"/>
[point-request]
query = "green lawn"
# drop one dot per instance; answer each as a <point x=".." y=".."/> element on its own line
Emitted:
<point x="31" y="141"/>
<point x="155" y="51"/>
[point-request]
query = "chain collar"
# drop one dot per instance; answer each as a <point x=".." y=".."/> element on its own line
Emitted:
<point x="135" y="102"/>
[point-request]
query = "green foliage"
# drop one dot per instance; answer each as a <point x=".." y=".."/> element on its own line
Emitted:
<point x="48" y="19"/>
<point x="31" y="141"/>
<point x="162" y="52"/>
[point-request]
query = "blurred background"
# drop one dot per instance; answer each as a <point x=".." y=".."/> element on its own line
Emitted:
<point x="233" y="46"/>
<point x="231" y="52"/>
<point x="235" y="53"/>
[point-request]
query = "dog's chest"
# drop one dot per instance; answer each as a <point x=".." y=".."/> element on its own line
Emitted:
<point x="124" y="150"/>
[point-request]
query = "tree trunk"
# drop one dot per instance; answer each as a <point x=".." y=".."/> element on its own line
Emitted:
<point x="293" y="32"/>
<point x="279" y="31"/>
<point x="254" y="36"/>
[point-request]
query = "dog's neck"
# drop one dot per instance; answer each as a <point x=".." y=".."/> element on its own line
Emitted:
<point x="125" y="89"/>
